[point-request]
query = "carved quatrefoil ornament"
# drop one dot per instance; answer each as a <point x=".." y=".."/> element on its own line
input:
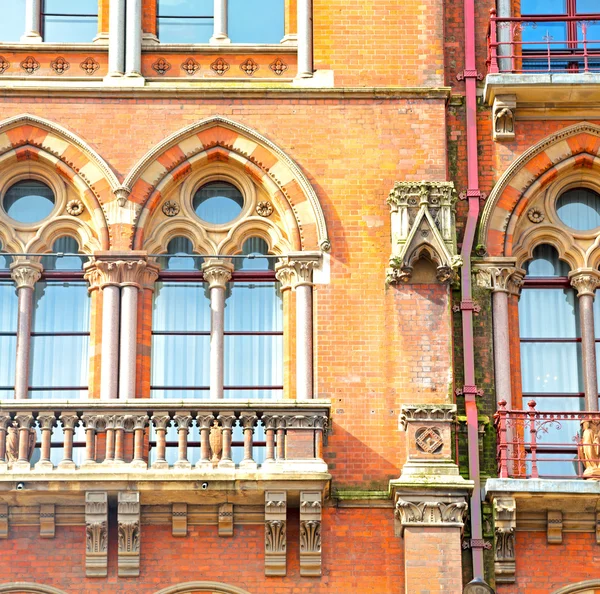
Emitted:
<point x="429" y="440"/>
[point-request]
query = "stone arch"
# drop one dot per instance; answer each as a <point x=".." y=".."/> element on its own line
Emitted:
<point x="573" y="147"/>
<point x="31" y="138"/>
<point x="218" y="138"/>
<point x="29" y="588"/>
<point x="193" y="587"/>
<point x="587" y="587"/>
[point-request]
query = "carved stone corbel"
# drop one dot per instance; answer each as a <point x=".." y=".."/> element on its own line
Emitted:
<point x="128" y="516"/>
<point x="225" y="519"/>
<point x="310" y="533"/>
<point x="3" y="520"/>
<point x="555" y="527"/>
<point x="275" y="533"/>
<point x="179" y="519"/>
<point x="47" y="520"/>
<point x="505" y="524"/>
<point x="503" y="112"/>
<point x="96" y="534"/>
<point x="423" y="226"/>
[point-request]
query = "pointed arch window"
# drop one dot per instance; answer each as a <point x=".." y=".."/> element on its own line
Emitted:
<point x="60" y="330"/>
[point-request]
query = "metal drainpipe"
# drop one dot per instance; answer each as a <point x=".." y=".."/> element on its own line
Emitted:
<point x="473" y="196"/>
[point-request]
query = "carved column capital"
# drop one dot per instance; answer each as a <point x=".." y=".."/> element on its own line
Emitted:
<point x="501" y="276"/>
<point x="505" y="525"/>
<point x="116" y="269"/>
<point x="585" y="281"/>
<point x="429" y="512"/>
<point x="300" y="265"/>
<point x="25" y="274"/>
<point x="217" y="273"/>
<point x="285" y="274"/>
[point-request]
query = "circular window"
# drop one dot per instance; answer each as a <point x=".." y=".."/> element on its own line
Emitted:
<point x="218" y="203"/>
<point x="579" y="209"/>
<point x="28" y="201"/>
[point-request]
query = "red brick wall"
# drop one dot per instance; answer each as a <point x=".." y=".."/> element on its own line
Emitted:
<point x="360" y="555"/>
<point x="543" y="568"/>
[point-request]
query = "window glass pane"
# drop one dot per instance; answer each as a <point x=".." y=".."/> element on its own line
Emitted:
<point x="12" y="23"/>
<point x="543" y="7"/>
<point x="70" y="7"/>
<point x="181" y="307"/>
<point x="70" y="29"/>
<point x="29" y="201"/>
<point x="540" y="36"/>
<point x="552" y="368"/>
<point x="579" y="209"/>
<point x="548" y="313"/>
<point x="218" y="203"/>
<point x="180" y="247"/>
<point x="256" y="21"/>
<point x="185" y="8"/>
<point x="185" y="30"/>
<point x="588" y="6"/>
<point x="254" y="307"/>
<point x="8" y="344"/>
<point x="253" y="361"/>
<point x="255" y="246"/>
<point x="64" y="245"/>
<point x="61" y="307"/>
<point x="592" y="38"/>
<point x="546" y="263"/>
<point x="8" y="307"/>
<point x="58" y="361"/>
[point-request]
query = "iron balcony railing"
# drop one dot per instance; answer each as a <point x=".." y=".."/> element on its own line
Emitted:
<point x="540" y="444"/>
<point x="528" y="45"/>
<point x="148" y="434"/>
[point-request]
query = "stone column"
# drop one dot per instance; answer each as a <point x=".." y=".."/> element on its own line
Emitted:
<point x="116" y="38"/>
<point x="32" y="22"/>
<point x="585" y="282"/>
<point x="217" y="273"/>
<point x="305" y="39"/>
<point x="220" y="34"/>
<point x="285" y="274"/>
<point x="303" y="265"/>
<point x="500" y="278"/>
<point x="24" y="275"/>
<point x="430" y="500"/>
<point x="133" y="53"/>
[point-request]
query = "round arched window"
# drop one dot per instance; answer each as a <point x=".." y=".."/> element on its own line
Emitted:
<point x="29" y="201"/>
<point x="579" y="209"/>
<point x="218" y="203"/>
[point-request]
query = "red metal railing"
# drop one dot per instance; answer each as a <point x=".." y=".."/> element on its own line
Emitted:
<point x="509" y="52"/>
<point x="536" y="444"/>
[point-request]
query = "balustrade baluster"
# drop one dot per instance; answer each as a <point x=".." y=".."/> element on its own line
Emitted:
<point x="493" y="43"/>
<point x="532" y="413"/>
<point x="5" y="421"/>
<point x="161" y="420"/>
<point x="269" y="424"/>
<point x="140" y="422"/>
<point x="119" y="439"/>
<point x="248" y="421"/>
<point x="183" y="421"/>
<point x="281" y="425"/>
<point x="90" y="421"/>
<point x="502" y="445"/>
<point x="69" y="422"/>
<point x="227" y="420"/>
<point x="204" y="422"/>
<point x="109" y="456"/>
<point x="46" y="421"/>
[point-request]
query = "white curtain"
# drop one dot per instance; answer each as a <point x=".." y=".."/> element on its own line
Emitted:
<point x="8" y="338"/>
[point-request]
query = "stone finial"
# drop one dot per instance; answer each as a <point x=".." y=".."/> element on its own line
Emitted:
<point x="423" y="225"/>
<point x="310" y="533"/>
<point x="217" y="273"/>
<point x="503" y="112"/>
<point x="96" y="531"/>
<point x="128" y="516"/>
<point x="505" y="525"/>
<point x="275" y="533"/>
<point x="25" y="274"/>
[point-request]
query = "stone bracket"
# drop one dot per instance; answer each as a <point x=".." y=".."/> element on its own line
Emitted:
<point x="310" y="533"/>
<point x="128" y="517"/>
<point x="555" y="527"/>
<point x="503" y="112"/>
<point x="96" y="533"/>
<point x="275" y="533"/>
<point x="179" y="519"/>
<point x="47" y="520"/>
<point x="225" y="519"/>
<point x="3" y="520"/>
<point x="505" y="525"/>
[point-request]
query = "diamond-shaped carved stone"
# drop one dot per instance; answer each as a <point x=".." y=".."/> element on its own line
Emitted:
<point x="429" y="440"/>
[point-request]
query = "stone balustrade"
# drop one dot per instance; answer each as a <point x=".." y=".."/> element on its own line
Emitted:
<point x="160" y="435"/>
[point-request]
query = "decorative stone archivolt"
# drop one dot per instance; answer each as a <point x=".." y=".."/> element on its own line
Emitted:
<point x="193" y="587"/>
<point x="28" y="588"/>
<point x="192" y="148"/>
<point x="543" y="169"/>
<point x="423" y="226"/>
<point x="587" y="587"/>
